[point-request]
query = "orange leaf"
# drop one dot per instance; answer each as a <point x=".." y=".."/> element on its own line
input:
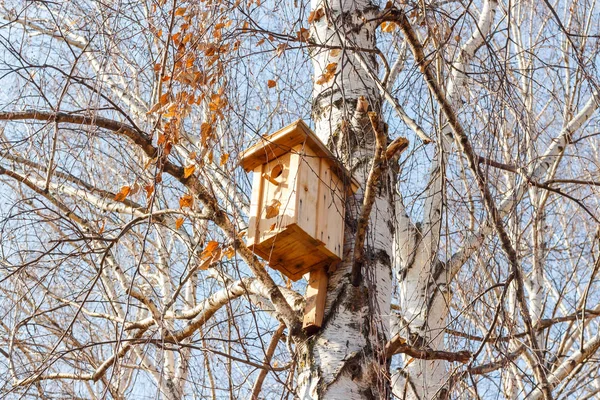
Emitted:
<point x="224" y="158"/>
<point x="229" y="253"/>
<point x="122" y="193"/>
<point x="186" y="201"/>
<point x="302" y="34"/>
<point x="205" y="132"/>
<point x="209" y="249"/>
<point x="335" y="52"/>
<point x="204" y="266"/>
<point x="180" y="11"/>
<point x="210" y="157"/>
<point x="164" y="99"/>
<point x="154" y="108"/>
<point x="179" y="222"/>
<point x="273" y="209"/>
<point x="189" y="170"/>
<point x="149" y="190"/>
<point x="272" y="227"/>
<point x="271" y="83"/>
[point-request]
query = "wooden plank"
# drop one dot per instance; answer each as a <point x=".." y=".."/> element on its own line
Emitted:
<point x="255" y="206"/>
<point x="330" y="212"/>
<point x="316" y="295"/>
<point x="307" y="187"/>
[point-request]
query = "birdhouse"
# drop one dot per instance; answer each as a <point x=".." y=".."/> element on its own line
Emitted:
<point x="297" y="208"/>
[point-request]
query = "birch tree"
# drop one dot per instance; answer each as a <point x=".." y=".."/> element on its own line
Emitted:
<point x="471" y="259"/>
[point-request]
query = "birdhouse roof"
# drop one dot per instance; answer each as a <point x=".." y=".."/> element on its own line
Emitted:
<point x="283" y="141"/>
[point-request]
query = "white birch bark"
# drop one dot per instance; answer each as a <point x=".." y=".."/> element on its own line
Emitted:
<point x="344" y="359"/>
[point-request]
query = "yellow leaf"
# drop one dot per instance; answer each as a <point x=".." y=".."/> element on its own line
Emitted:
<point x="273" y="209"/>
<point x="179" y="222"/>
<point x="122" y="193"/>
<point x="186" y="201"/>
<point x="224" y="158"/>
<point x="271" y="83"/>
<point x="189" y="170"/>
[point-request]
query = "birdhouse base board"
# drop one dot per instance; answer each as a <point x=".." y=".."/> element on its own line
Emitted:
<point x="294" y="252"/>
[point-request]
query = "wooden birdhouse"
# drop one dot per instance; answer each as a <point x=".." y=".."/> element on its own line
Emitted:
<point x="297" y="209"/>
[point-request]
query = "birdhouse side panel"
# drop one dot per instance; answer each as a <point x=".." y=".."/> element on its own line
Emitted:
<point x="331" y="210"/>
<point x="278" y="197"/>
<point x="308" y="190"/>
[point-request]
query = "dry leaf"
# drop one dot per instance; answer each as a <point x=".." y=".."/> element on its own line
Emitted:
<point x="210" y="157"/>
<point x="205" y="132"/>
<point x="328" y="74"/>
<point x="272" y="227"/>
<point x="316" y="15"/>
<point x="189" y="170"/>
<point x="179" y="222"/>
<point x="280" y="49"/>
<point x="273" y="209"/>
<point x="261" y="41"/>
<point x="302" y="34"/>
<point x="271" y="83"/>
<point x="154" y="108"/>
<point x="224" y="158"/>
<point x="122" y="193"/>
<point x="135" y="189"/>
<point x="186" y="201"/>
<point x="149" y="190"/>
<point x="164" y="99"/>
<point x="180" y="11"/>
<point x="209" y="249"/>
<point x="335" y="52"/>
<point x="204" y="266"/>
<point x="229" y="253"/>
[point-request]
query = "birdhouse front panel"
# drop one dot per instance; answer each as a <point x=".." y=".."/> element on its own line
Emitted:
<point x="298" y="197"/>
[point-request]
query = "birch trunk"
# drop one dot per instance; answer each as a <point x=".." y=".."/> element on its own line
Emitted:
<point x="345" y="359"/>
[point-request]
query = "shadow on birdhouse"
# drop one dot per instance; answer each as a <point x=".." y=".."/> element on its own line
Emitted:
<point x="297" y="209"/>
